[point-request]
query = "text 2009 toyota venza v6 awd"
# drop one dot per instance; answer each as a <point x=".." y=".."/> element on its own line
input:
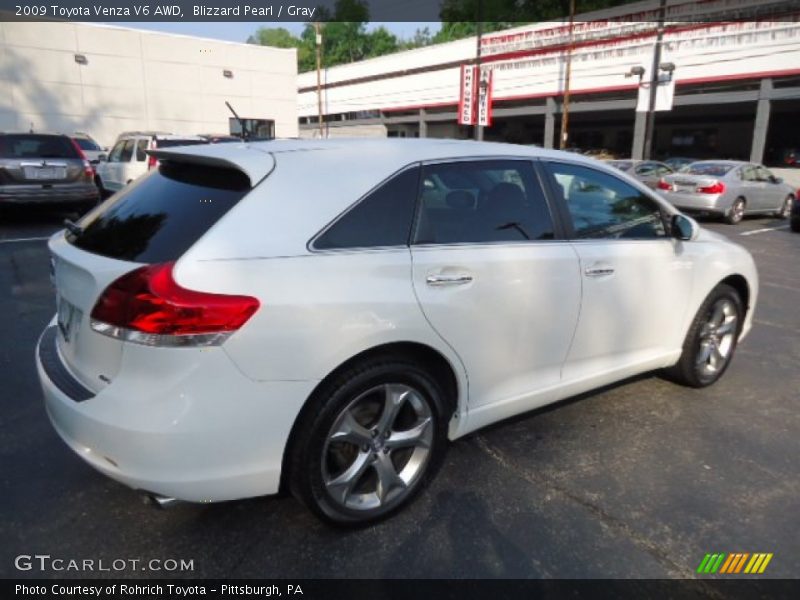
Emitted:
<point x="327" y="314"/>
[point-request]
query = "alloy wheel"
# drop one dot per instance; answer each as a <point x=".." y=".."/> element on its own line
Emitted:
<point x="717" y="338"/>
<point x="378" y="447"/>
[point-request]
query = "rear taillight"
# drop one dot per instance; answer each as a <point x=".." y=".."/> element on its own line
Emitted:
<point x="715" y="188"/>
<point x="147" y="306"/>
<point x="152" y="161"/>
<point x="663" y="185"/>
<point x="88" y="169"/>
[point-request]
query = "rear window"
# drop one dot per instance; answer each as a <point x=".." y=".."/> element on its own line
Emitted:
<point x="30" y="145"/>
<point x="713" y="169"/>
<point x="160" y="216"/>
<point x="174" y="142"/>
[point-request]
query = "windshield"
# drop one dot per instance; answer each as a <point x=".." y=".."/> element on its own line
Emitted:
<point x="87" y="144"/>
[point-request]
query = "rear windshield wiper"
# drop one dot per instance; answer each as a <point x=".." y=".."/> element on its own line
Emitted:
<point x="73" y="227"/>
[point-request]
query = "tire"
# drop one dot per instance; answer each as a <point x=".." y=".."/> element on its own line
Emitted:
<point x="736" y="212"/>
<point x="104" y="193"/>
<point x="353" y="463"/>
<point x="786" y="208"/>
<point x="711" y="341"/>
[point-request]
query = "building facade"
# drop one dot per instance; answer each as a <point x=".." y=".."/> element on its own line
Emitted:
<point x="102" y="80"/>
<point x="736" y="84"/>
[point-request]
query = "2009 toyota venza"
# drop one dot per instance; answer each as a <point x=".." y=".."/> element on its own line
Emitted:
<point x="326" y="315"/>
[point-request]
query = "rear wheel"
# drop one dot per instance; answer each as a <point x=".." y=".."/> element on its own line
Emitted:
<point x="370" y="441"/>
<point x="736" y="212"/>
<point x="786" y="208"/>
<point x="711" y="340"/>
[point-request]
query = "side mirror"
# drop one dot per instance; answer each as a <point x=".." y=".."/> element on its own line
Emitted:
<point x="102" y="157"/>
<point x="683" y="227"/>
<point x="774" y="179"/>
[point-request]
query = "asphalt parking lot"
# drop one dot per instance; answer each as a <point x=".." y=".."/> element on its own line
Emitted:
<point x="641" y="479"/>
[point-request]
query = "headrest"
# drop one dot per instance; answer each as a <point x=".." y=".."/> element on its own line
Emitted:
<point x="460" y="200"/>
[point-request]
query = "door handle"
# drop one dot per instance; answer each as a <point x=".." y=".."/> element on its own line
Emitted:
<point x="441" y="280"/>
<point x="599" y="271"/>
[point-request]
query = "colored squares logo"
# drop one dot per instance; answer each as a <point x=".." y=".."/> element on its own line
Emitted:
<point x="735" y="563"/>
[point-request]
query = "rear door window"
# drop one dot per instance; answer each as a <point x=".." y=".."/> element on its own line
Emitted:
<point x="480" y="201"/>
<point x="127" y="151"/>
<point x="160" y="216"/>
<point x="141" y="146"/>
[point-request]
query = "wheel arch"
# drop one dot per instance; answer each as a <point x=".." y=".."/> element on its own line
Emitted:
<point x="426" y="356"/>
<point x="739" y="283"/>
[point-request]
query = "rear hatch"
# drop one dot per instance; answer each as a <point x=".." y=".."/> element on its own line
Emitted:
<point x="31" y="159"/>
<point x="153" y="221"/>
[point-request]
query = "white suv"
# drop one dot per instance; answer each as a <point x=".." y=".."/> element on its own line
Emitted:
<point x="128" y="157"/>
<point x="327" y="314"/>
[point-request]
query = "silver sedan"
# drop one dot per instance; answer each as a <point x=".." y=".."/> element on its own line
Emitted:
<point x="730" y="189"/>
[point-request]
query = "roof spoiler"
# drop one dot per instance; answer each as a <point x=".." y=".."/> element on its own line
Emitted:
<point x="254" y="163"/>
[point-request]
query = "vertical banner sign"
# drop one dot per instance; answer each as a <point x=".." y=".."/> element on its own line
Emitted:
<point x="466" y="102"/>
<point x="485" y="98"/>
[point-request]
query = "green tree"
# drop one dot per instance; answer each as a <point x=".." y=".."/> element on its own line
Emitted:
<point x="277" y="37"/>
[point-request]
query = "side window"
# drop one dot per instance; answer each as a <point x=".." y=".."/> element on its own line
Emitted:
<point x="646" y="169"/>
<point x="127" y="151"/>
<point x="116" y="151"/>
<point x="763" y="174"/>
<point x="141" y="146"/>
<point x="605" y="207"/>
<point x="482" y="201"/>
<point x="748" y="173"/>
<point x="382" y="218"/>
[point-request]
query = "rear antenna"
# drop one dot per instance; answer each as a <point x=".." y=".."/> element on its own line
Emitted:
<point x="245" y="135"/>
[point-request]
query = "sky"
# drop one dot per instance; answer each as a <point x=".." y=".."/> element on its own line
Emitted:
<point x="238" y="31"/>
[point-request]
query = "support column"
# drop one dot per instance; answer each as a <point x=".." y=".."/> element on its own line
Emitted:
<point x="762" y="122"/>
<point x="639" y="127"/>
<point x="423" y="124"/>
<point x="549" y="122"/>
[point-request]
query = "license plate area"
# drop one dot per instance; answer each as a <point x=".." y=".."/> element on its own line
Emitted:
<point x="69" y="319"/>
<point x="45" y="173"/>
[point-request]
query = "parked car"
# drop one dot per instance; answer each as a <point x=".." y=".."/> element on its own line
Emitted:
<point x="90" y="148"/>
<point x="228" y="322"/>
<point x="795" y="215"/>
<point x="647" y="171"/>
<point x="41" y="168"/>
<point x="730" y="189"/>
<point x="676" y="163"/>
<point x="600" y="154"/>
<point x="128" y="158"/>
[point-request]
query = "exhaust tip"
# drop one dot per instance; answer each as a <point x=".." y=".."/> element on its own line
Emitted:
<point x="160" y="501"/>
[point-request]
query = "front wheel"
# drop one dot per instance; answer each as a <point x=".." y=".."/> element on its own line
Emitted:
<point x="786" y="208"/>
<point x="711" y="340"/>
<point x="370" y="442"/>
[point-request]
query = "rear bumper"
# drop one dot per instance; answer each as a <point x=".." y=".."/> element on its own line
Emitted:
<point x="696" y="203"/>
<point x="202" y="434"/>
<point x="57" y="194"/>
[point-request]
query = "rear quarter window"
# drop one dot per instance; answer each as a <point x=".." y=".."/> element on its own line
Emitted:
<point x="160" y="216"/>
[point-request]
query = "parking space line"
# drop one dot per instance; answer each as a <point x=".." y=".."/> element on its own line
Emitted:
<point x="764" y="230"/>
<point x="30" y="239"/>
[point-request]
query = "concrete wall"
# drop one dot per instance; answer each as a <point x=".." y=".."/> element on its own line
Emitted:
<point x="138" y="80"/>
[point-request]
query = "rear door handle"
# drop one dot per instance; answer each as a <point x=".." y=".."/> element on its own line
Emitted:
<point x="441" y="280"/>
<point x="599" y="271"/>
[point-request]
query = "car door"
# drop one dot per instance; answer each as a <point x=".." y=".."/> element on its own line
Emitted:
<point x="773" y="196"/>
<point x="754" y="189"/>
<point x="109" y="171"/>
<point x="636" y="278"/>
<point x="493" y="278"/>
